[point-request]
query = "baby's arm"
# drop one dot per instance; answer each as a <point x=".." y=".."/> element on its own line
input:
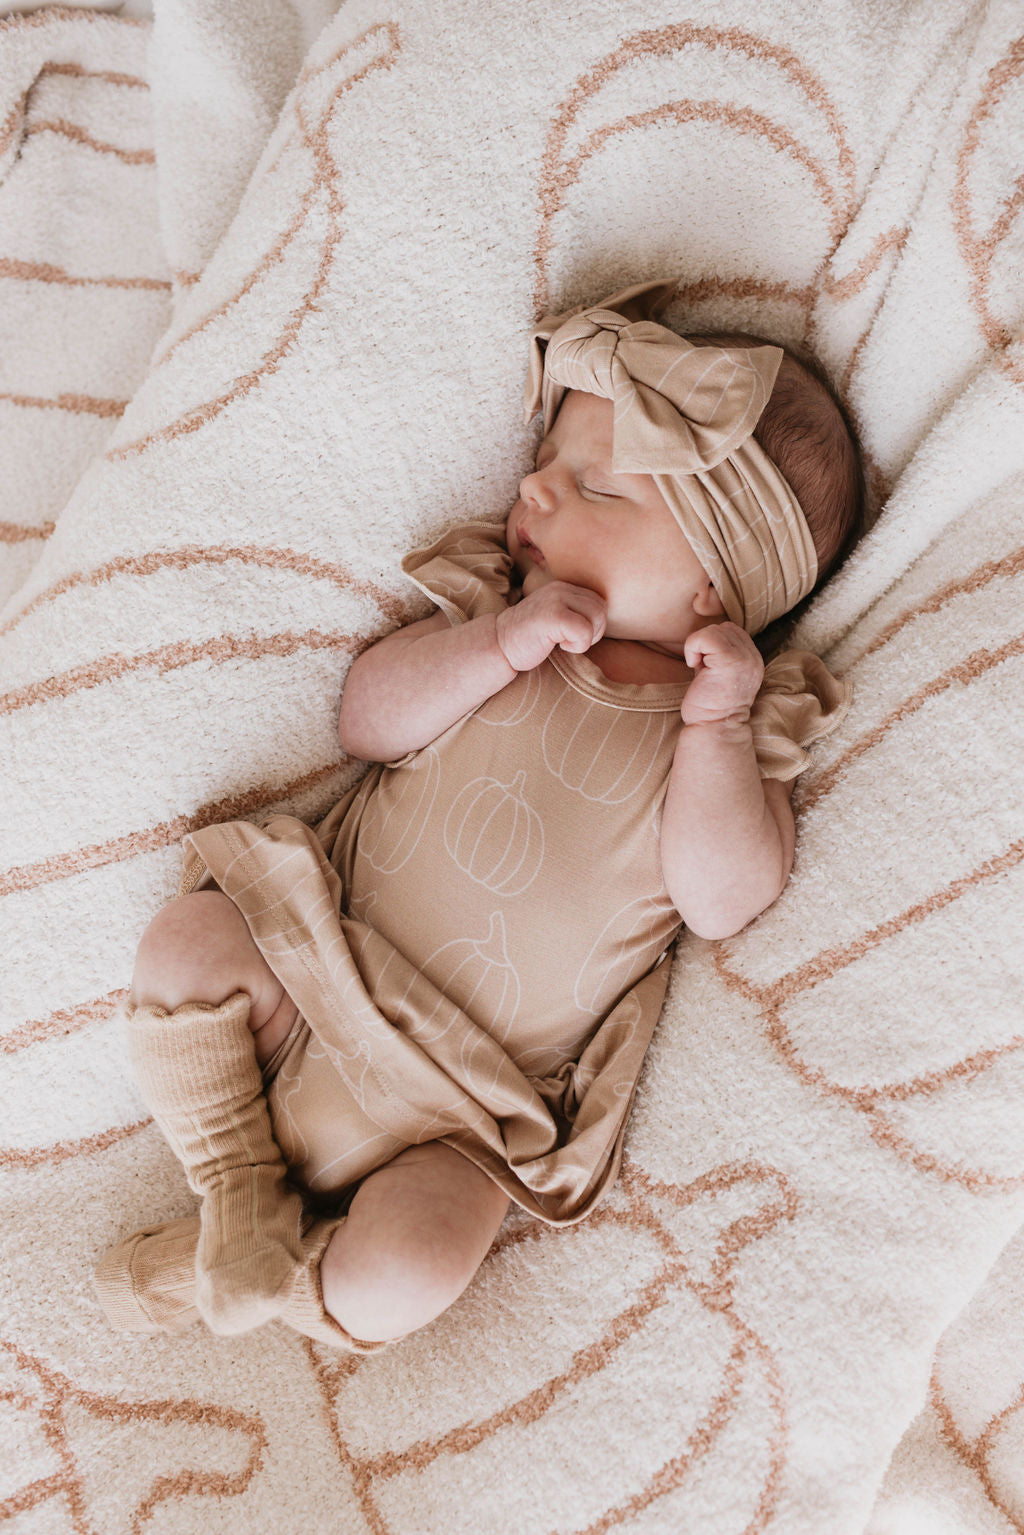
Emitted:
<point x="727" y="835"/>
<point x="406" y="690"/>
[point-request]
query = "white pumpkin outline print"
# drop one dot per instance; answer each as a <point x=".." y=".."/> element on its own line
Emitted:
<point x="597" y="967"/>
<point x="489" y="953"/>
<point x="333" y="1176"/>
<point x="360" y="1064"/>
<point x="599" y="760"/>
<point x="514" y="703"/>
<point x="361" y="908"/>
<point x="354" y="1061"/>
<point x="494" y="835"/>
<point x="388" y="839"/>
<point x="286" y="1085"/>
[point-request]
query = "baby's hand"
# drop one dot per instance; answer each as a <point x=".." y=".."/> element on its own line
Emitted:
<point x="727" y="669"/>
<point x="572" y="617"/>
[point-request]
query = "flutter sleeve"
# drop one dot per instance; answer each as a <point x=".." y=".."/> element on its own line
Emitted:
<point x="799" y="702"/>
<point x="466" y="572"/>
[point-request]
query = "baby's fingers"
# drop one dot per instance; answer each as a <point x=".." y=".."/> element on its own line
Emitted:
<point x="724" y="643"/>
<point x="583" y="621"/>
<point x="577" y="634"/>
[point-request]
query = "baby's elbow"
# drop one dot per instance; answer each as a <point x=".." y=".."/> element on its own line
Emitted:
<point x="354" y="736"/>
<point x="715" y="922"/>
<point x="350" y="745"/>
<point x="712" y="927"/>
<point x="347" y="733"/>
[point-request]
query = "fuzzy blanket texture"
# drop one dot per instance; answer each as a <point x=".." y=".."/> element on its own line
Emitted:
<point x="241" y="249"/>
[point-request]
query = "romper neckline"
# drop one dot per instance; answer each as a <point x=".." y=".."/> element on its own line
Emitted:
<point x="586" y="677"/>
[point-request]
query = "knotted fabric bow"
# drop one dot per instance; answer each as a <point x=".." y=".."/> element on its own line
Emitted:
<point x="686" y="415"/>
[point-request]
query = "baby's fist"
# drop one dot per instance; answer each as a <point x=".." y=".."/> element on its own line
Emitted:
<point x="571" y="617"/>
<point x="727" y="672"/>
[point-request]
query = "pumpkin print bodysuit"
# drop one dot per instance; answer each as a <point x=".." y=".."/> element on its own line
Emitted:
<point x="475" y="936"/>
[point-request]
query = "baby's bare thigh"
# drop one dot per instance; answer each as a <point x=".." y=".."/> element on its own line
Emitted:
<point x="198" y="948"/>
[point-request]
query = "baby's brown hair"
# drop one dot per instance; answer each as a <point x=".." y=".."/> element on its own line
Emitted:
<point x="807" y="434"/>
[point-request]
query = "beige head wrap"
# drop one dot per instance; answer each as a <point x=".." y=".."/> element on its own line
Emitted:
<point x="686" y="414"/>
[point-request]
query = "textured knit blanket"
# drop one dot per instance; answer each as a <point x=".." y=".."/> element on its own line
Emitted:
<point x="239" y="251"/>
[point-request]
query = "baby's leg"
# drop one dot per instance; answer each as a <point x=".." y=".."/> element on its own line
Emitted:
<point x="206" y="1008"/>
<point x="204" y="1004"/>
<point x="198" y="948"/>
<point x="417" y="1231"/>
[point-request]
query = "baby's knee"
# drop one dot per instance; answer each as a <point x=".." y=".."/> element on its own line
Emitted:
<point x="404" y="1288"/>
<point x="190" y="950"/>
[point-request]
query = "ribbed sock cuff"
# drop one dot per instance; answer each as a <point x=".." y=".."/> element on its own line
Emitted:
<point x="304" y="1308"/>
<point x="196" y="1057"/>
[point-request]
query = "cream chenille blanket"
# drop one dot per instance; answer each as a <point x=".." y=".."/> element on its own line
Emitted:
<point x="267" y="271"/>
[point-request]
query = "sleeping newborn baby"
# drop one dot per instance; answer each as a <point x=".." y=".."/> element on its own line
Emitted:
<point x="362" y="1040"/>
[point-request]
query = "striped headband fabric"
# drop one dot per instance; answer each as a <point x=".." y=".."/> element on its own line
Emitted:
<point x="686" y="415"/>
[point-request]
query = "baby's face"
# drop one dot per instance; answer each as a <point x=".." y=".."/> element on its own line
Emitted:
<point x="577" y="521"/>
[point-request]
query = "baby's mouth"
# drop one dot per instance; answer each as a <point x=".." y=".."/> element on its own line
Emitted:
<point x="528" y="547"/>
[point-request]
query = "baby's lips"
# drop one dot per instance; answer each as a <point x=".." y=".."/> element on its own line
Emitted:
<point x="527" y="545"/>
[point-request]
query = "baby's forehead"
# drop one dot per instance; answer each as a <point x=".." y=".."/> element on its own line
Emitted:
<point x="583" y="417"/>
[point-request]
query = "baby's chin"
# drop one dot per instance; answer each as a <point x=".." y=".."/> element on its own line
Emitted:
<point x="533" y="576"/>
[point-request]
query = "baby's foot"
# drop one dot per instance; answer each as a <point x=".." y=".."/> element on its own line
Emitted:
<point x="147" y="1283"/>
<point x="249" y="1248"/>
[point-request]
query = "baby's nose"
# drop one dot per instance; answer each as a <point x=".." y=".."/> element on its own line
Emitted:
<point x="538" y="488"/>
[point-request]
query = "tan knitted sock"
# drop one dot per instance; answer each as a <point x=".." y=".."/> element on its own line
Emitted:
<point x="197" y="1070"/>
<point x="304" y="1307"/>
<point x="147" y="1284"/>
